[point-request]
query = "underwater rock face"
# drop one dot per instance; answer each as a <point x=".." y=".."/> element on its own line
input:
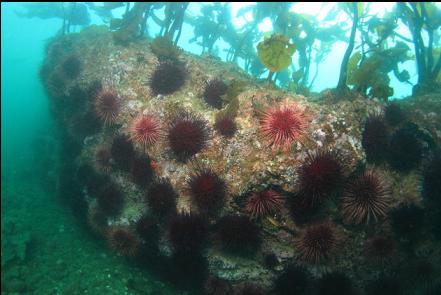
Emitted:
<point x="247" y="168"/>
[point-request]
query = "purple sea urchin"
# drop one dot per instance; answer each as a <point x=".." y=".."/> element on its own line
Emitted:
<point x="208" y="190"/>
<point x="379" y="249"/>
<point x="263" y="203"/>
<point x="375" y="139"/>
<point x="122" y="151"/>
<point x="187" y="135"/>
<point x="107" y="105"/>
<point x="238" y="234"/>
<point x="103" y="159"/>
<point x="167" y="78"/>
<point x="123" y="241"/>
<point x="317" y="242"/>
<point x="161" y="198"/>
<point x="225" y="125"/>
<point x="142" y="172"/>
<point x="320" y="175"/>
<point x="214" y="89"/>
<point x="187" y="233"/>
<point x="365" y="198"/>
<point x="283" y="124"/>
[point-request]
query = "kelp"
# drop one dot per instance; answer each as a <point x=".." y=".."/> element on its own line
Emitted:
<point x="165" y="49"/>
<point x="275" y="53"/>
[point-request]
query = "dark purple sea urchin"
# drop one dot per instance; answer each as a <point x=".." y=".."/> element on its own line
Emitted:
<point x="263" y="203"/>
<point x="107" y="105"/>
<point x="161" y="198"/>
<point x="365" y="198"/>
<point x="320" y="175"/>
<point x="225" y="125"/>
<point x="238" y="234"/>
<point x="317" y="242"/>
<point x="208" y="190"/>
<point x="187" y="135"/>
<point x="214" y="89"/>
<point x="167" y="78"/>
<point x="123" y="241"/>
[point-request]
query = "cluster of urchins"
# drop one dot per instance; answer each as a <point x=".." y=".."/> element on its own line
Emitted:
<point x="364" y="195"/>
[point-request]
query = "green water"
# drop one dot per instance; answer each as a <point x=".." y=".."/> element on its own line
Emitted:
<point x="44" y="248"/>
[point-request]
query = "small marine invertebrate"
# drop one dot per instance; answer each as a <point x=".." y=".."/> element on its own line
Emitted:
<point x="407" y="220"/>
<point x="161" y="198"/>
<point x="122" y="151"/>
<point x="335" y="283"/>
<point x="167" y="78"/>
<point x="365" y="197"/>
<point x="145" y="129"/>
<point x="107" y="105"/>
<point x="110" y="199"/>
<point x="283" y="124"/>
<point x="317" y="242"/>
<point x="379" y="249"/>
<point x="141" y="170"/>
<point x="187" y="135"/>
<point x="103" y="159"/>
<point x="294" y="280"/>
<point x="320" y="175"/>
<point x="432" y="181"/>
<point x="394" y="114"/>
<point x="238" y="234"/>
<point x="147" y="229"/>
<point x="188" y="232"/>
<point x="213" y="91"/>
<point x="405" y="150"/>
<point x="375" y="139"/>
<point x="265" y="202"/>
<point x="208" y="190"/>
<point x="123" y="241"/>
<point x="225" y="125"/>
<point x="71" y="66"/>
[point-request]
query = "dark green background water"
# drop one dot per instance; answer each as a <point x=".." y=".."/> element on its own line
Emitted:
<point x="44" y="249"/>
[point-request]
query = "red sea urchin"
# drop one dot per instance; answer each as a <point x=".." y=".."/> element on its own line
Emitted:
<point x="263" y="203"/>
<point x="317" y="242"/>
<point x="283" y="124"/>
<point x="187" y="135"/>
<point x="123" y="241"/>
<point x="364" y="198"/>
<point x="107" y="105"/>
<point x="145" y="129"/>
<point x="320" y="175"/>
<point x="208" y="190"/>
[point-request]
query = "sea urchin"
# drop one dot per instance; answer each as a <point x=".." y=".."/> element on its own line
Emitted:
<point x="167" y="78"/>
<point x="187" y="135"/>
<point x="365" y="198"/>
<point x="214" y="89"/>
<point x="107" y="105"/>
<point x="320" y="175"/>
<point x="317" y="242"/>
<point x="123" y="241"/>
<point x="145" y="129"/>
<point x="283" y="124"/>
<point x="208" y="190"/>
<point x="263" y="203"/>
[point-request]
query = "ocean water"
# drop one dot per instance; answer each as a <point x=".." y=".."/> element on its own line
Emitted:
<point x="232" y="211"/>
